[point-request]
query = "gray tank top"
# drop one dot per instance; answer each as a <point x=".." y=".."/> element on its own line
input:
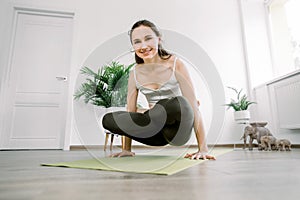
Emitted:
<point x="167" y="90"/>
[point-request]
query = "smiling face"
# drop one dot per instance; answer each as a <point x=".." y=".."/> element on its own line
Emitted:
<point x="145" y="42"/>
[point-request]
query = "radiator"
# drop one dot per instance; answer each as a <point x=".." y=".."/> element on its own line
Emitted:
<point x="285" y="101"/>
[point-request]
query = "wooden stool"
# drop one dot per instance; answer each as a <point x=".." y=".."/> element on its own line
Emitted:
<point x="112" y="135"/>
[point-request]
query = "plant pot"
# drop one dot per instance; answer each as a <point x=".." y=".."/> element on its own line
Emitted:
<point x="242" y="116"/>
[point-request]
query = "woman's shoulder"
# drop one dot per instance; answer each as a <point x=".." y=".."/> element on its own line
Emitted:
<point x="173" y="58"/>
<point x="179" y="65"/>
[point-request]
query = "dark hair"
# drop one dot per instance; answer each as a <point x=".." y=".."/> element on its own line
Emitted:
<point x="163" y="54"/>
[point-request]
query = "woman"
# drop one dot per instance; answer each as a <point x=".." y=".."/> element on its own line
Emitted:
<point x="173" y="108"/>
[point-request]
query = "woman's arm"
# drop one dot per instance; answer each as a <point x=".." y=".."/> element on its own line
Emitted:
<point x="131" y="107"/>
<point x="188" y="91"/>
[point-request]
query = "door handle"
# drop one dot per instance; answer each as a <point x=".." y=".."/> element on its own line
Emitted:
<point x="62" y="78"/>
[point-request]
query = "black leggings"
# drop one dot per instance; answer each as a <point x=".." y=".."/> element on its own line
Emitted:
<point x="170" y="121"/>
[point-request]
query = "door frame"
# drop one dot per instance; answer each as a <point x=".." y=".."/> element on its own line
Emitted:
<point x="4" y="92"/>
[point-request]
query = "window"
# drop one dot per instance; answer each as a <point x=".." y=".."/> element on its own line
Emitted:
<point x="292" y="11"/>
<point x="284" y="18"/>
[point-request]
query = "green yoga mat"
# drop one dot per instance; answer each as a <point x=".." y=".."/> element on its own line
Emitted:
<point x="149" y="164"/>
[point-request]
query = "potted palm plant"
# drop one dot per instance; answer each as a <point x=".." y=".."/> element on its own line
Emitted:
<point x="240" y="105"/>
<point x="106" y="87"/>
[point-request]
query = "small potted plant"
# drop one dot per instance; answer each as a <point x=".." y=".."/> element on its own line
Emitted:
<point x="240" y="106"/>
<point x="105" y="88"/>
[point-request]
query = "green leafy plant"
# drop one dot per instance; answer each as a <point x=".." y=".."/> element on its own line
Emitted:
<point x="106" y="87"/>
<point x="241" y="102"/>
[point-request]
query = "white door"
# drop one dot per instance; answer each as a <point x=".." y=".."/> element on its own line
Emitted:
<point x="37" y="83"/>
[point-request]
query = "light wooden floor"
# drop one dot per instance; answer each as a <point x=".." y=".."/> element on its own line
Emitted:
<point x="240" y="174"/>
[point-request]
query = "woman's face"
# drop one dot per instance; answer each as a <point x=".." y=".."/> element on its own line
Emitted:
<point x="144" y="42"/>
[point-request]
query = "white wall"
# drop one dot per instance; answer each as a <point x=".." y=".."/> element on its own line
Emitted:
<point x="215" y="25"/>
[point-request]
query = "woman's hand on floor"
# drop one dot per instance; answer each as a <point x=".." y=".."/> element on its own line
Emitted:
<point x="124" y="153"/>
<point x="198" y="155"/>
